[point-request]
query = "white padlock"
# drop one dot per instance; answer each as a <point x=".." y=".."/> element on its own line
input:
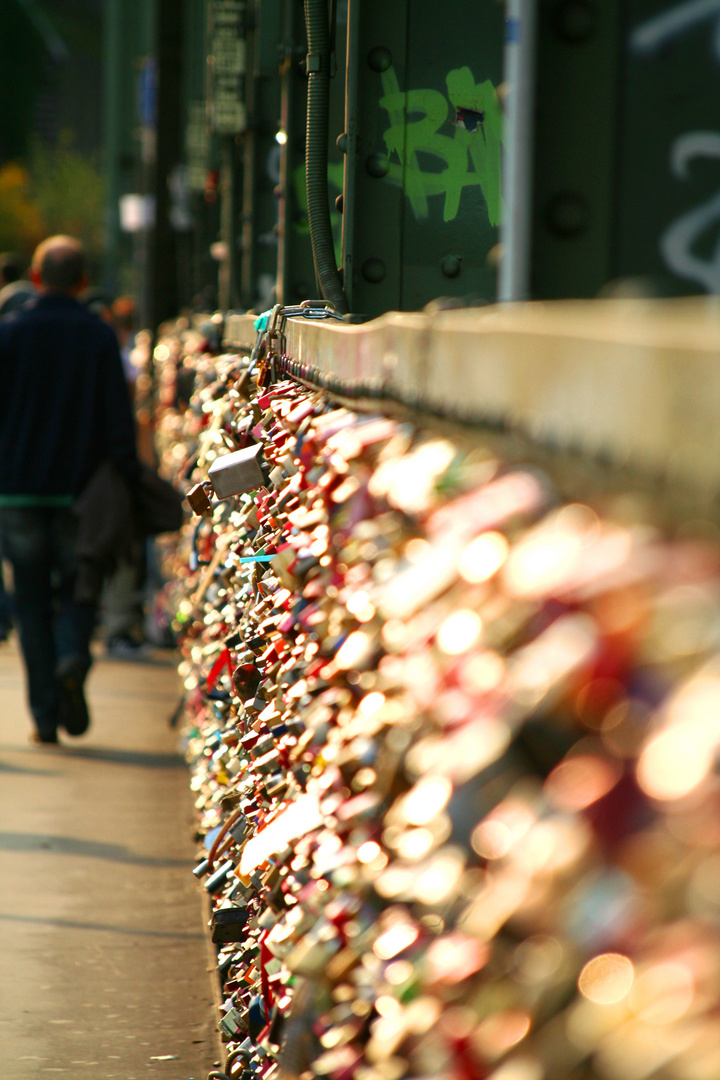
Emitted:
<point x="234" y="473"/>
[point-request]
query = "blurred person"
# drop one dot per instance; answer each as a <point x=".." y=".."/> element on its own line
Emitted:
<point x="130" y="627"/>
<point x="10" y="268"/>
<point x="122" y="599"/>
<point x="98" y="300"/>
<point x="15" y="292"/>
<point x="125" y="321"/>
<point x="120" y="316"/>
<point x="64" y="409"/>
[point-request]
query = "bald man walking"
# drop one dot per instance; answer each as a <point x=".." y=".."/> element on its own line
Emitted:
<point x="64" y="408"/>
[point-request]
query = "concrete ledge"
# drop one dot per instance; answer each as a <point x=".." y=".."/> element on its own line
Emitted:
<point x="638" y="381"/>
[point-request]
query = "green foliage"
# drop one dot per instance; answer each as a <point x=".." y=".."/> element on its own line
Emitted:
<point x="21" y="224"/>
<point x="58" y="190"/>
<point x="68" y="192"/>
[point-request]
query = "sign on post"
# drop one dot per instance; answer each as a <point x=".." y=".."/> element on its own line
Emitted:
<point x="227" y="65"/>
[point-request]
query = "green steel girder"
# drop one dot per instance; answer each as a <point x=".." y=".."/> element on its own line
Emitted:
<point x="424" y="137"/>
<point x="576" y="97"/>
<point x="627" y="144"/>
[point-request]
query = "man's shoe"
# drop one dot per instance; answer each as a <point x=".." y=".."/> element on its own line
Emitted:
<point x="44" y="738"/>
<point x="73" y="712"/>
<point x="125" y="647"/>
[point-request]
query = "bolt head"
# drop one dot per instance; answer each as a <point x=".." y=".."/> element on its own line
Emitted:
<point x="374" y="270"/>
<point x="451" y="265"/>
<point x="379" y="58"/>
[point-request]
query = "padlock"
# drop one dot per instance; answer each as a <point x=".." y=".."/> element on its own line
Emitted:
<point x="199" y="500"/>
<point x="216" y="881"/>
<point x="471" y="686"/>
<point x="231" y="1024"/>
<point x="232" y="474"/>
<point x="228" y="924"/>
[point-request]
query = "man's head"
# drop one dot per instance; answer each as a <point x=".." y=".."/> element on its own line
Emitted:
<point x="58" y="265"/>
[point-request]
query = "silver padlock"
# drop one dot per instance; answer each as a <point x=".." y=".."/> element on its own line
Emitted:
<point x="234" y="473"/>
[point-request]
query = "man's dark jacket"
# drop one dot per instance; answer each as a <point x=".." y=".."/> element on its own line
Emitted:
<point x="64" y="404"/>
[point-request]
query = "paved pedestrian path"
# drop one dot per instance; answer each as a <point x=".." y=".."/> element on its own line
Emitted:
<point x="103" y="956"/>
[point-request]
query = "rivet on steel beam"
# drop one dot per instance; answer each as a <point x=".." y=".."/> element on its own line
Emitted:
<point x="575" y="21"/>
<point x="451" y="265"/>
<point x="379" y="58"/>
<point x="377" y="165"/>
<point x="567" y="215"/>
<point x="374" y="270"/>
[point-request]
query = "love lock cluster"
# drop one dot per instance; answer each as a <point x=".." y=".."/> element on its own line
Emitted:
<point x="454" y="740"/>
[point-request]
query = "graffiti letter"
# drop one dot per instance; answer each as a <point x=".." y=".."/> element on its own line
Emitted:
<point x="485" y="154"/>
<point x="676" y="244"/>
<point x="655" y="32"/>
<point x="404" y="143"/>
<point x="457" y="152"/>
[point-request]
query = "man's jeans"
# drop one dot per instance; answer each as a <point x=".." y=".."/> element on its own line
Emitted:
<point x="54" y="631"/>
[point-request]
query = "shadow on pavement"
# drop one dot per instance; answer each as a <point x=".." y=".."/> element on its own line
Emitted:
<point x="6" y="768"/>
<point x="143" y="759"/>
<point x="70" y="845"/>
<point x="69" y="924"/>
<point x="153" y="658"/>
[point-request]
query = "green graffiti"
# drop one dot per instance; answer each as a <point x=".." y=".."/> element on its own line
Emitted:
<point x="471" y="157"/>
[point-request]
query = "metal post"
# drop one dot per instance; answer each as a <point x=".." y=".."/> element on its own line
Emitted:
<point x="351" y="138"/>
<point x="283" y="290"/>
<point x="164" y="277"/>
<point x="227" y="271"/>
<point x="249" y="195"/>
<point x="112" y="108"/>
<point x="516" y="227"/>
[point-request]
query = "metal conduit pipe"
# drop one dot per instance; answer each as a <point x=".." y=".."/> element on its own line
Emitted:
<point x="316" y="153"/>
